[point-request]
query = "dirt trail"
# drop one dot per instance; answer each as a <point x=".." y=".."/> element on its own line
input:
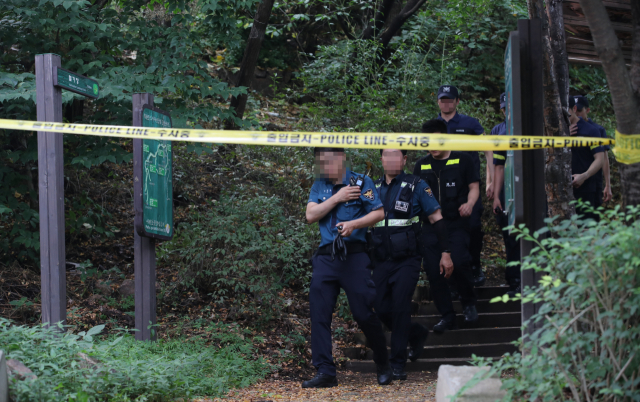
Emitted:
<point x="352" y="387"/>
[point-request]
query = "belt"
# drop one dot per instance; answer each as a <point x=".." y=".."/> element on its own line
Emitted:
<point x="398" y="222"/>
<point x="352" y="248"/>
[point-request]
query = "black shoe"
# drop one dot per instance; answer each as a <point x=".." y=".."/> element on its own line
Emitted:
<point x="478" y="276"/>
<point x="399" y="374"/>
<point x="470" y="314"/>
<point x="417" y="340"/>
<point x="321" y="381"/>
<point x="385" y="374"/>
<point x="514" y="289"/>
<point x="446" y="324"/>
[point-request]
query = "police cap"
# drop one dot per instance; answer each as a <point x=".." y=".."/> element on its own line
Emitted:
<point x="448" y="91"/>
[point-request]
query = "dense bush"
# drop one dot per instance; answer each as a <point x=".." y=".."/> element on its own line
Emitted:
<point x="244" y="247"/>
<point x="587" y="345"/>
<point x="128" y="369"/>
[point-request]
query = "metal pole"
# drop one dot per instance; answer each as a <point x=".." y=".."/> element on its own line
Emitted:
<point x="51" y="194"/>
<point x="144" y="247"/>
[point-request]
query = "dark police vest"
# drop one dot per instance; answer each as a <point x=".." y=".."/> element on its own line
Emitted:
<point x="396" y="237"/>
<point x="452" y="188"/>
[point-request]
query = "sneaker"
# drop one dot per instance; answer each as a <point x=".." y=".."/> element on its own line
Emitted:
<point x="399" y="374"/>
<point x="470" y="314"/>
<point x="321" y="381"/>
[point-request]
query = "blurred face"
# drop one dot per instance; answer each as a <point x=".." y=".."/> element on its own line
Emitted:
<point x="436" y="154"/>
<point x="331" y="164"/>
<point x="448" y="106"/>
<point x="393" y="161"/>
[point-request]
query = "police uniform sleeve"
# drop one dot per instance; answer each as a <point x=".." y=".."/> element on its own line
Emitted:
<point x="603" y="134"/>
<point x="313" y="196"/>
<point x="476" y="127"/>
<point x="369" y="196"/>
<point x="471" y="174"/>
<point x="499" y="158"/>
<point x="427" y="201"/>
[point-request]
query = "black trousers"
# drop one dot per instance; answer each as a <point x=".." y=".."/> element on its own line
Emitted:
<point x="476" y="234"/>
<point x="462" y="277"/>
<point x="354" y="277"/>
<point x="511" y="245"/>
<point x="395" y="283"/>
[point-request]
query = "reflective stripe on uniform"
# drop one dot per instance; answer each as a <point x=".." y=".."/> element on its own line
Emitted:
<point x="425" y="167"/>
<point x="399" y="222"/>
<point x="453" y="161"/>
<point x="497" y="156"/>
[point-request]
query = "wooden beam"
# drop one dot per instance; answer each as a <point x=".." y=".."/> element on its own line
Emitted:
<point x="617" y="26"/>
<point x="53" y="279"/>
<point x="618" y="5"/>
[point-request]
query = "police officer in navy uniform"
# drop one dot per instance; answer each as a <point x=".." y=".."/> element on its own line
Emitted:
<point x="458" y="123"/>
<point x="585" y="162"/>
<point x="345" y="204"/>
<point x="454" y="180"/>
<point x="604" y="193"/>
<point x="395" y="243"/>
<point x="512" y="246"/>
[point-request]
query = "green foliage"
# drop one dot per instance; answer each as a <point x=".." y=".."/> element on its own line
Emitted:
<point x="243" y="247"/>
<point x="128" y="369"/>
<point x="587" y="346"/>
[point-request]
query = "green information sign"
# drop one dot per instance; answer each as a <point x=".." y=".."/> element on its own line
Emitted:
<point x="76" y="83"/>
<point x="157" y="184"/>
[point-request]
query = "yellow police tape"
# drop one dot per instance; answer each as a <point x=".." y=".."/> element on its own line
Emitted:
<point x="408" y="141"/>
<point x="627" y="149"/>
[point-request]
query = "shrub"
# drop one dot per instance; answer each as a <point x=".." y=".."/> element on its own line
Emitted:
<point x="245" y="248"/>
<point x="587" y="343"/>
<point x="128" y="369"/>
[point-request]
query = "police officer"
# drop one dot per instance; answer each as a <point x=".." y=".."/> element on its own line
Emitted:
<point x="458" y="123"/>
<point x="604" y="194"/>
<point x="455" y="183"/>
<point x="585" y="162"/>
<point x="395" y="250"/>
<point x="511" y="245"/>
<point x="345" y="204"/>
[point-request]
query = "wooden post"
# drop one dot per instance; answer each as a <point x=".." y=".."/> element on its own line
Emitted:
<point x="535" y="199"/>
<point x="144" y="247"/>
<point x="51" y="193"/>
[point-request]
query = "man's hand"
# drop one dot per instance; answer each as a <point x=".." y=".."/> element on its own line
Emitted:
<point x="446" y="265"/>
<point x="347" y="228"/>
<point x="573" y="129"/>
<point x="497" y="204"/>
<point x="348" y="193"/>
<point x="465" y="209"/>
<point x="578" y="180"/>
<point x="607" y="195"/>
<point x="490" y="191"/>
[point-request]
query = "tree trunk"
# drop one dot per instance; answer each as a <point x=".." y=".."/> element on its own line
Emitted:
<point x="250" y="58"/>
<point x="556" y="100"/>
<point x="623" y="85"/>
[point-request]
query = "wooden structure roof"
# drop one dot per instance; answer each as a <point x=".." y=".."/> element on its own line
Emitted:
<point x="580" y="48"/>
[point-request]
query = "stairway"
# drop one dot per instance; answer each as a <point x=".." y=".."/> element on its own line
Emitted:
<point x="491" y="336"/>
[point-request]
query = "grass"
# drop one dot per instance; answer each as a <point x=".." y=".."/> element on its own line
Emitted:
<point x="129" y="370"/>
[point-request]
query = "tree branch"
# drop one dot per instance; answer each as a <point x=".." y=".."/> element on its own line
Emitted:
<point x="380" y="19"/>
<point x="345" y="27"/>
<point x="623" y="97"/>
<point x="409" y="9"/>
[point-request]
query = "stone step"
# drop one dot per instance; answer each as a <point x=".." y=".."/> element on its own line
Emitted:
<point x="368" y="366"/>
<point x="442" y="352"/>
<point x="463" y="336"/>
<point x="483" y="292"/>
<point x="483" y="306"/>
<point x="485" y="320"/>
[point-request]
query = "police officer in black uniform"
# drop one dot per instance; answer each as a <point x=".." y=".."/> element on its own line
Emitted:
<point x="455" y="183"/>
<point x="345" y="204"/>
<point x="585" y="162"/>
<point x="394" y="244"/>
<point x="512" y="246"/>
<point x="458" y="123"/>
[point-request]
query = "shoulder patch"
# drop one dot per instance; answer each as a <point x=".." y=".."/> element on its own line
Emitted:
<point x="369" y="195"/>
<point x="428" y="191"/>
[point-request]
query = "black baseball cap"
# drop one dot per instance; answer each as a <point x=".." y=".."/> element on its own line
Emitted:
<point x="579" y="100"/>
<point x="448" y="91"/>
<point x="503" y="100"/>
